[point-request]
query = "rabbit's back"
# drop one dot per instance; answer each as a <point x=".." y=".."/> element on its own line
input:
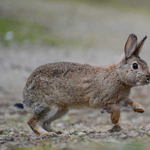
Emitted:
<point x="61" y="70"/>
<point x="66" y="84"/>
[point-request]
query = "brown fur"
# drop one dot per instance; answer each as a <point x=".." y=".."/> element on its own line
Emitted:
<point x="54" y="88"/>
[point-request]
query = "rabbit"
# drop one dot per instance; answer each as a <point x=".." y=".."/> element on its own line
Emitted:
<point x="55" y="88"/>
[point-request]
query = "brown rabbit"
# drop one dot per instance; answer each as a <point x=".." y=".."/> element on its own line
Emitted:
<point x="53" y="89"/>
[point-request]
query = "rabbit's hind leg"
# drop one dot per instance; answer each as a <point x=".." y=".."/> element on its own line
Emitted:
<point x="47" y="124"/>
<point x="36" y="122"/>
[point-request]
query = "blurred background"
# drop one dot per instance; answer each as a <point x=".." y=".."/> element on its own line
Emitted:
<point x="35" y="32"/>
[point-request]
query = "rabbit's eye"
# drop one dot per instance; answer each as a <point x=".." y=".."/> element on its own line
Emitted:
<point x="135" y="66"/>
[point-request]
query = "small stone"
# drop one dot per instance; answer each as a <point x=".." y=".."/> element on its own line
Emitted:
<point x="81" y="133"/>
<point x="59" y="124"/>
<point x="21" y="133"/>
<point x="11" y="133"/>
<point x="148" y="133"/>
<point x="123" y="136"/>
<point x="147" y="127"/>
<point x="91" y="131"/>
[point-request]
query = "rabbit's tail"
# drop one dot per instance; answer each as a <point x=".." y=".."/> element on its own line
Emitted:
<point x="19" y="105"/>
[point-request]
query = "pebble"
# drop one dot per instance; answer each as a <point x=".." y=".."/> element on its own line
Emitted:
<point x="147" y="127"/>
<point x="21" y="133"/>
<point x="81" y="133"/>
<point x="11" y="133"/>
<point x="59" y="124"/>
<point x="148" y="133"/>
<point x="123" y="136"/>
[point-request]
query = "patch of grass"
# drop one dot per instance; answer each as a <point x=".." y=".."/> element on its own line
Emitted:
<point x="24" y="32"/>
<point x="84" y="138"/>
<point x="18" y="149"/>
<point x="135" y="128"/>
<point x="76" y="133"/>
<point x="130" y="146"/>
<point x="68" y="121"/>
<point x="54" y="138"/>
<point x="98" y="147"/>
<point x="34" y="148"/>
<point x="17" y="31"/>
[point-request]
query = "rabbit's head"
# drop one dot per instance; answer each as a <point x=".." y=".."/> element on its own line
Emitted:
<point x="132" y="69"/>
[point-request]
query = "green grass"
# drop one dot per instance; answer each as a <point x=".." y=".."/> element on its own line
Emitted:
<point x="25" y="32"/>
<point x="99" y="147"/>
<point x="34" y="148"/>
<point x="119" y="146"/>
<point x="18" y="30"/>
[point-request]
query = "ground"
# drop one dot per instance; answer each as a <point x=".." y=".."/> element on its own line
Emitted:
<point x="80" y="32"/>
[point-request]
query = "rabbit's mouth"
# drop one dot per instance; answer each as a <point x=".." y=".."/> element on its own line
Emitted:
<point x="148" y="80"/>
<point x="143" y="81"/>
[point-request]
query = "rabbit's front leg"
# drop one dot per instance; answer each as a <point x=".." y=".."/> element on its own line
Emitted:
<point x="135" y="106"/>
<point x="114" y="110"/>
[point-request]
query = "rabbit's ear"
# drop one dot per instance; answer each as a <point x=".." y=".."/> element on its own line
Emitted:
<point x="139" y="46"/>
<point x="130" y="45"/>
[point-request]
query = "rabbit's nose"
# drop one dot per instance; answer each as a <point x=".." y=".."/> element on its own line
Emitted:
<point x="148" y="77"/>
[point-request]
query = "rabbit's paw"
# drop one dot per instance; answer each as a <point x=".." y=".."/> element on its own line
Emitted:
<point x="138" y="108"/>
<point x="59" y="132"/>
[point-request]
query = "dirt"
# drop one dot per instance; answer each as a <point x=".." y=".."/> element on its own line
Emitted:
<point x="84" y="127"/>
